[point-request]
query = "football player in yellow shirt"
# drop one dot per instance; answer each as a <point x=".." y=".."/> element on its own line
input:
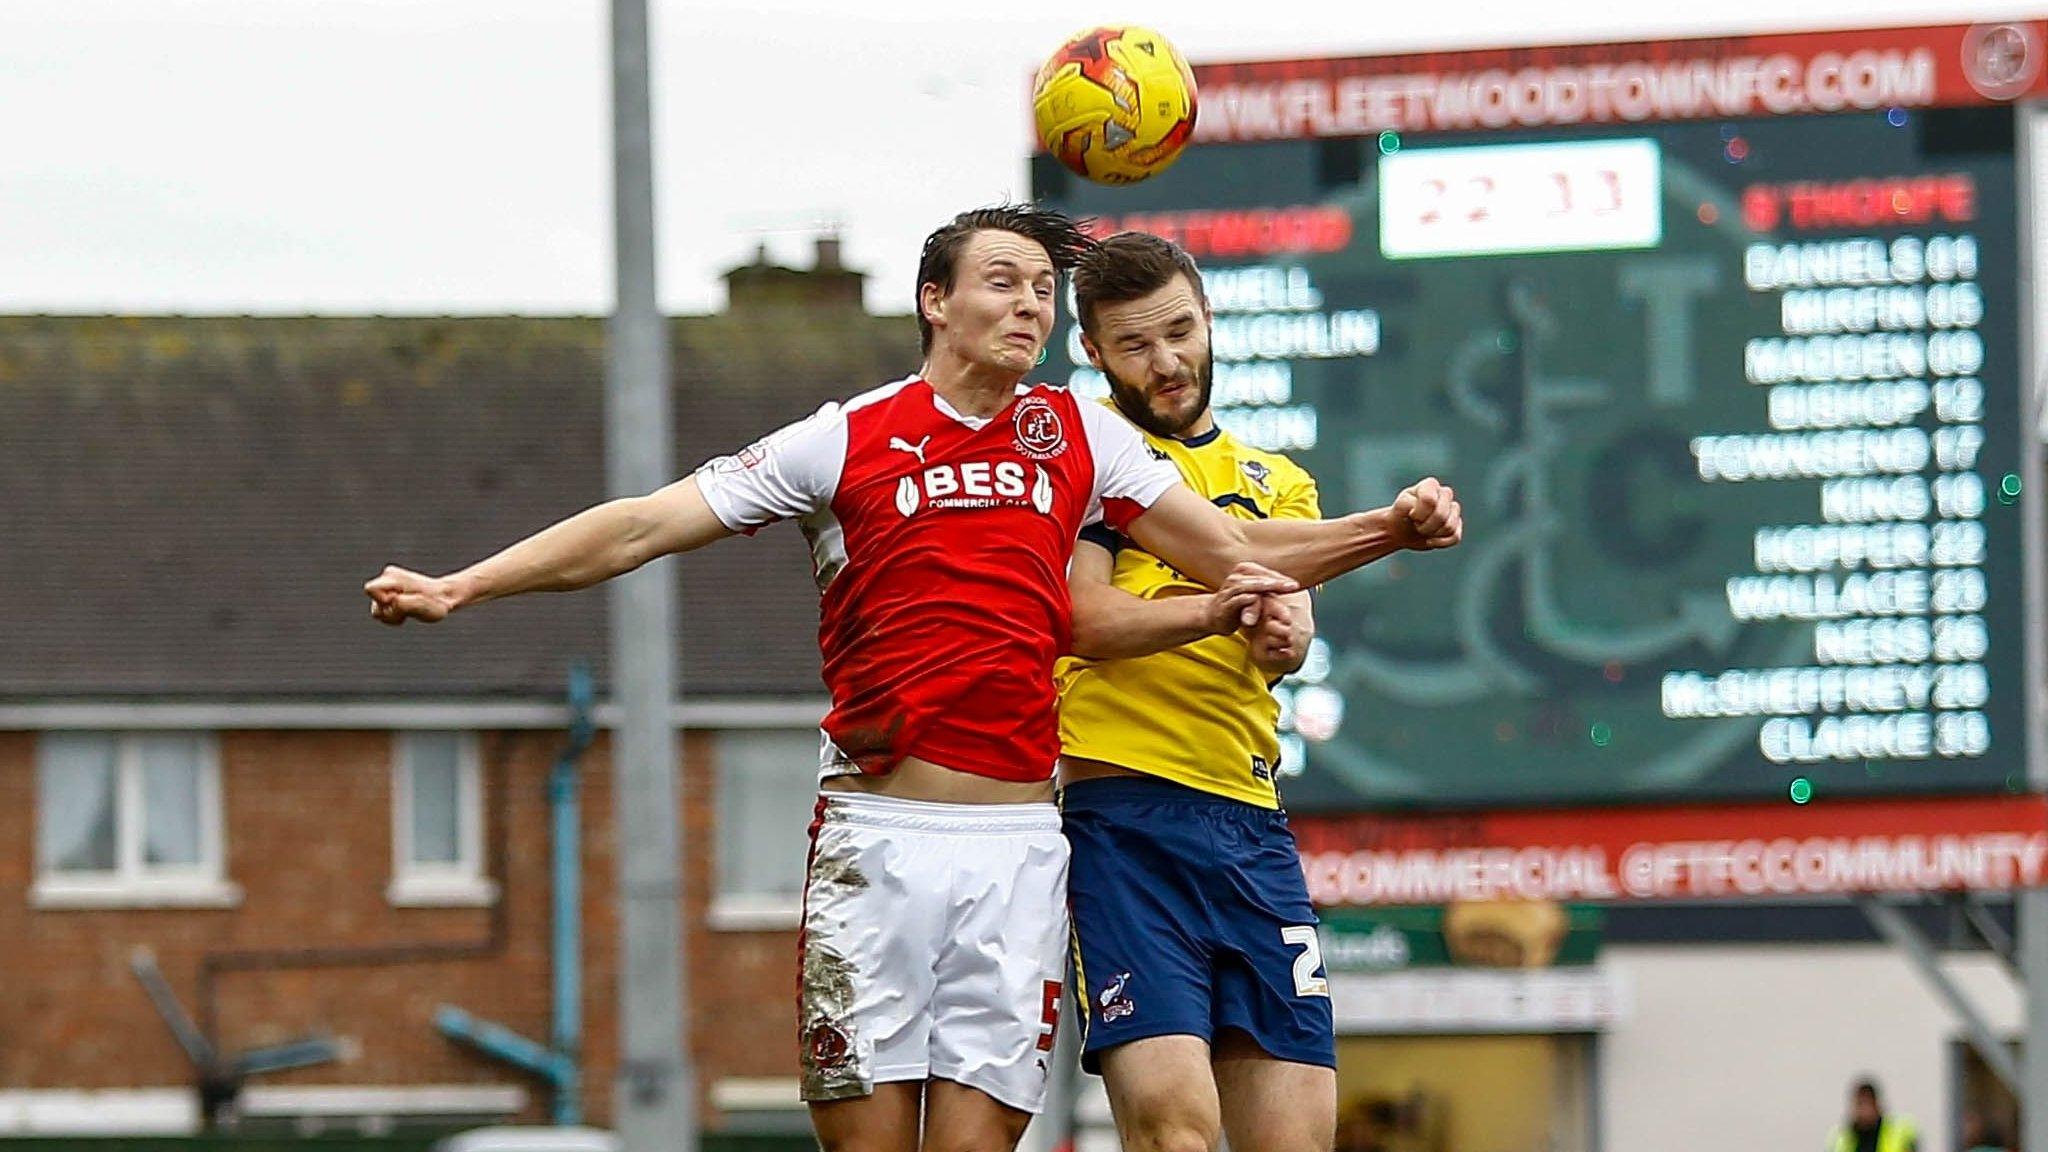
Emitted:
<point x="1196" y="964"/>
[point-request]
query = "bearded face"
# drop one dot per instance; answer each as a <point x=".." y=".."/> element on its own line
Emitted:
<point x="1166" y="408"/>
<point x="1155" y="353"/>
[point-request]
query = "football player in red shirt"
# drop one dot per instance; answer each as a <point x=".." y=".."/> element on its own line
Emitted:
<point x="942" y="511"/>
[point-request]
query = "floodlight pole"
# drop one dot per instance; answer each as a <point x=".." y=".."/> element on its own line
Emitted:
<point x="654" y="1105"/>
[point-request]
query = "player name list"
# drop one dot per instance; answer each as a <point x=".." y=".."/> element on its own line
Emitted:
<point x="1871" y="387"/>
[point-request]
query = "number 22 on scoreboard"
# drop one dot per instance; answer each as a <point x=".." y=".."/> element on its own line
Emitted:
<point x="1475" y="200"/>
<point x="1493" y="199"/>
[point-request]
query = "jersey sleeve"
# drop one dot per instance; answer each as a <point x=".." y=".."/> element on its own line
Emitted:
<point x="1297" y="498"/>
<point x="786" y="475"/>
<point x="1104" y="537"/>
<point x="1129" y="478"/>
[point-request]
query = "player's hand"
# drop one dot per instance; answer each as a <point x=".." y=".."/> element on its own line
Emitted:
<point x="398" y="595"/>
<point x="1235" y="604"/>
<point x="1272" y="637"/>
<point x="1428" y="516"/>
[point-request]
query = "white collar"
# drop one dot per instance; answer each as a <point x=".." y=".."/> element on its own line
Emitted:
<point x="974" y="423"/>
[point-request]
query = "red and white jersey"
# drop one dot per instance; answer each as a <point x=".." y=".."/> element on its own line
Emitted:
<point x="940" y="543"/>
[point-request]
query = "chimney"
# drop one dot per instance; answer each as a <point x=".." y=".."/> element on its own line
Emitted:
<point x="829" y="283"/>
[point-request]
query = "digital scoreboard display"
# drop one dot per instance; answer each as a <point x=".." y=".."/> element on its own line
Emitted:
<point x="1729" y="389"/>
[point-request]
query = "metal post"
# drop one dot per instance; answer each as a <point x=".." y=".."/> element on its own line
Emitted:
<point x="2032" y="903"/>
<point x="1991" y="932"/>
<point x="1894" y="927"/>
<point x="654" y="1105"/>
<point x="2033" y="915"/>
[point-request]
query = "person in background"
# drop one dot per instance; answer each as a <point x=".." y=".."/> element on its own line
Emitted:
<point x="1869" y="1129"/>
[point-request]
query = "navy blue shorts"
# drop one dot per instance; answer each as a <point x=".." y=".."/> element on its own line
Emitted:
<point x="1191" y="916"/>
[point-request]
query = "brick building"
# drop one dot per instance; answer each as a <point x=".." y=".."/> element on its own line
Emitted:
<point x="212" y="762"/>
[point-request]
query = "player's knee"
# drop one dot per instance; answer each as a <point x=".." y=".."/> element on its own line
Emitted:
<point x="1156" y="1113"/>
<point x="993" y="1134"/>
<point x="885" y="1122"/>
<point x="1169" y="1133"/>
<point x="873" y="1138"/>
<point x="1170" y="1138"/>
<point x="854" y="1140"/>
<point x="882" y="1138"/>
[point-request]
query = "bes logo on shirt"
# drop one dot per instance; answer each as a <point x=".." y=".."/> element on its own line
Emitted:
<point x="1040" y="435"/>
<point x="977" y="484"/>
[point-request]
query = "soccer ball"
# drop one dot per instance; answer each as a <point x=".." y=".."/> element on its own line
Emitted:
<point x="1115" y="104"/>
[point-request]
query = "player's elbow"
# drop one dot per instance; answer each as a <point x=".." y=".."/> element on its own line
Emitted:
<point x="1233" y="546"/>
<point x="1095" y="634"/>
<point x="1090" y="640"/>
<point x="1236" y="542"/>
<point x="634" y="533"/>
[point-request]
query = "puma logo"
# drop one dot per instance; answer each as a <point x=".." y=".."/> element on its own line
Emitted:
<point x="917" y="449"/>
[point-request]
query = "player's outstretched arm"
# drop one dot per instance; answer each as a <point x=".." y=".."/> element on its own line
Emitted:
<point x="1205" y="542"/>
<point x="590" y="547"/>
<point x="1111" y="624"/>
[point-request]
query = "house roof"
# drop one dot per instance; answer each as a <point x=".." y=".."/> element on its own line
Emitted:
<point x="189" y="506"/>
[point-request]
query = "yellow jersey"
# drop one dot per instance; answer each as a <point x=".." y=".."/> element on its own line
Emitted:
<point x="1201" y="715"/>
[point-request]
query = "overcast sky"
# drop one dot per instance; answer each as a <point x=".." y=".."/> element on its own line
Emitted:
<point x="404" y="156"/>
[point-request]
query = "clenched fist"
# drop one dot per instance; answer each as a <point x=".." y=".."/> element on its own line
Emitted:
<point x="1277" y="644"/>
<point x="1428" y="516"/>
<point x="398" y="595"/>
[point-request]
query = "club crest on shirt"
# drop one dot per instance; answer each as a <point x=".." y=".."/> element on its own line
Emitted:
<point x="1257" y="473"/>
<point x="1114" y="1003"/>
<point x="828" y="1045"/>
<point x="1040" y="434"/>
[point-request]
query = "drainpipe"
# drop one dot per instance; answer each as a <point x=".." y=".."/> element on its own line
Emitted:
<point x="568" y="911"/>
<point x="557" y="1062"/>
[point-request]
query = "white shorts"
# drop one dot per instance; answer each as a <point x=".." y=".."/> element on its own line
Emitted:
<point x="933" y="946"/>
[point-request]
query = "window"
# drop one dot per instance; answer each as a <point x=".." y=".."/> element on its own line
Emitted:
<point x="767" y="790"/>
<point x="128" y="820"/>
<point x="437" y="821"/>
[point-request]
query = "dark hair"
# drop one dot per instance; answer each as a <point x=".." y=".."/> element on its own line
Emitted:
<point x="1055" y="232"/>
<point x="1127" y="266"/>
<point x="1866" y="1086"/>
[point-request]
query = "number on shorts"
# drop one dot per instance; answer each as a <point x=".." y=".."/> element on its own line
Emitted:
<point x="1051" y="1017"/>
<point x="1306" y="982"/>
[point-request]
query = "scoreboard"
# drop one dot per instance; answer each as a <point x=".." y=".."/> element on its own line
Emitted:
<point x="1720" y="344"/>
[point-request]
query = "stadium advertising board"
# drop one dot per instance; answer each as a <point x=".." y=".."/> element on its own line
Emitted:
<point x="1718" y="341"/>
<point x="1907" y="846"/>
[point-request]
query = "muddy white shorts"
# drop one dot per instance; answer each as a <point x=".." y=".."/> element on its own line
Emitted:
<point x="933" y="945"/>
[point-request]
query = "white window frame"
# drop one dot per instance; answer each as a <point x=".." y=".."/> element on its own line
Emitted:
<point x="750" y="912"/>
<point x="131" y="883"/>
<point x="735" y="911"/>
<point x="461" y="884"/>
